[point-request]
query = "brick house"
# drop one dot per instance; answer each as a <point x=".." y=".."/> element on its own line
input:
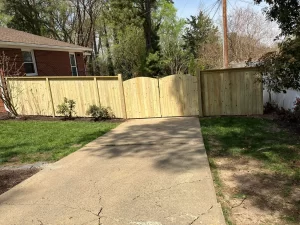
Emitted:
<point x="41" y="56"/>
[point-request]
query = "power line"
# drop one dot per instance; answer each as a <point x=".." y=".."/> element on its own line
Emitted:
<point x="186" y="1"/>
<point x="229" y="1"/>
<point x="220" y="3"/>
<point x="214" y="5"/>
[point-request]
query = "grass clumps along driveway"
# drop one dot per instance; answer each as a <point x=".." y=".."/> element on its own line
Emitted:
<point x="33" y="141"/>
<point x="256" y="169"/>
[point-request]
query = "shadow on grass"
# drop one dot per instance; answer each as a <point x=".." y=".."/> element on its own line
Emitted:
<point x="254" y="137"/>
<point x="238" y="139"/>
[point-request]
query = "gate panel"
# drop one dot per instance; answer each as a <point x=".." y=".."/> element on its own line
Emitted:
<point x="142" y="97"/>
<point x="179" y="95"/>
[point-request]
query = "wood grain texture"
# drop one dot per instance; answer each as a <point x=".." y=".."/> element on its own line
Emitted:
<point x="110" y="96"/>
<point x="179" y="95"/>
<point x="31" y="96"/>
<point x="83" y="92"/>
<point x="231" y="92"/>
<point x="142" y="97"/>
<point x="212" y="93"/>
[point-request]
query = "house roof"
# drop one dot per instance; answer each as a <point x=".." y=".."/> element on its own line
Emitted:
<point x="11" y="38"/>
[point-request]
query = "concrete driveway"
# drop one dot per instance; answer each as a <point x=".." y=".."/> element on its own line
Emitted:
<point x="144" y="172"/>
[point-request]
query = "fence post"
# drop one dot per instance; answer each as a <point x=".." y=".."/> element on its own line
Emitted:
<point x="97" y="90"/>
<point x="50" y="96"/>
<point x="123" y="104"/>
<point x="200" y="105"/>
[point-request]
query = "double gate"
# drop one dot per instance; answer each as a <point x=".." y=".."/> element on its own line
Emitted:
<point x="175" y="95"/>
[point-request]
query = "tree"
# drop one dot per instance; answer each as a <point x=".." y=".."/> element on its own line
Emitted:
<point x="200" y="36"/>
<point x="9" y="67"/>
<point x="250" y="35"/>
<point x="129" y="52"/>
<point x="280" y="69"/>
<point x="4" y="18"/>
<point x="173" y="57"/>
<point x="286" y="13"/>
<point x="72" y="21"/>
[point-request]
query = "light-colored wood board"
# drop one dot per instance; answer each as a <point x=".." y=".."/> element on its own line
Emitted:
<point x="142" y="97"/>
<point x="31" y="97"/>
<point x="110" y="96"/>
<point x="231" y="92"/>
<point x="179" y="95"/>
<point x="82" y="92"/>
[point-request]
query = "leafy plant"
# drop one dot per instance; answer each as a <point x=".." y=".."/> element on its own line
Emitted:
<point x="270" y="107"/>
<point x="67" y="108"/>
<point x="100" y="113"/>
<point x="297" y="108"/>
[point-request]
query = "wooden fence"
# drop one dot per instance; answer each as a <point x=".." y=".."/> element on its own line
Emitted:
<point x="175" y="95"/>
<point x="41" y="95"/>
<point x="231" y="92"/>
<point x="210" y="93"/>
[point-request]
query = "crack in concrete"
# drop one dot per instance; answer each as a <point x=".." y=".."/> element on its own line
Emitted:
<point x="164" y="189"/>
<point x="99" y="201"/>
<point x="200" y="215"/>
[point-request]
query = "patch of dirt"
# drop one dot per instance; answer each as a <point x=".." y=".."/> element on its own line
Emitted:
<point x="256" y="195"/>
<point x="11" y="177"/>
<point x="4" y="116"/>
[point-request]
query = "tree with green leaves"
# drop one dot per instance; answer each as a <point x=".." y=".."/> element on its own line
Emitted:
<point x="200" y="36"/>
<point x="174" y="58"/>
<point x="72" y="21"/>
<point x="280" y="69"/>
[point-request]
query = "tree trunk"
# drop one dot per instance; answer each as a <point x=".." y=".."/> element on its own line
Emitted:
<point x="147" y="25"/>
<point x="109" y="56"/>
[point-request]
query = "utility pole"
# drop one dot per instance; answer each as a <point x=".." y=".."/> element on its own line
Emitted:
<point x="225" y="35"/>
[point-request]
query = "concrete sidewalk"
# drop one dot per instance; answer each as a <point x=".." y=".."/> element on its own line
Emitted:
<point x="144" y="172"/>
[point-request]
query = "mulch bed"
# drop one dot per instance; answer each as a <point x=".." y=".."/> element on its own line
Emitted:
<point x="58" y="118"/>
<point x="10" y="178"/>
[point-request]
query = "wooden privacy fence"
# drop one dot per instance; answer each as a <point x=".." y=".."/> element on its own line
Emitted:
<point x="210" y="93"/>
<point x="175" y="95"/>
<point x="230" y="92"/>
<point x="41" y="95"/>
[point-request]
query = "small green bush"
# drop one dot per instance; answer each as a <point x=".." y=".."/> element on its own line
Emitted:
<point x="100" y="113"/>
<point x="67" y="108"/>
<point x="297" y="108"/>
<point x="270" y="107"/>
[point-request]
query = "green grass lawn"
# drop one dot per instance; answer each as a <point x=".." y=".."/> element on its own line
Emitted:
<point x="32" y="141"/>
<point x="231" y="142"/>
<point x="258" y="138"/>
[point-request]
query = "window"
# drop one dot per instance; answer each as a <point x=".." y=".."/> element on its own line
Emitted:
<point x="73" y="64"/>
<point x="29" y="63"/>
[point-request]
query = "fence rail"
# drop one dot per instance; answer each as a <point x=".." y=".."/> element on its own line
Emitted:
<point x="41" y="95"/>
<point x="210" y="93"/>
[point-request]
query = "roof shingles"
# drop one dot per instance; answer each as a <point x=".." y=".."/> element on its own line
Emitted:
<point x="14" y="36"/>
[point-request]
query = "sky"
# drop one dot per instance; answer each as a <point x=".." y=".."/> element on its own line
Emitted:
<point x="186" y="8"/>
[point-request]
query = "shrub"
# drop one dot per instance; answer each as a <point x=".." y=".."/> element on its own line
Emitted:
<point x="67" y="108"/>
<point x="100" y="113"/>
<point x="270" y="107"/>
<point x="297" y="109"/>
